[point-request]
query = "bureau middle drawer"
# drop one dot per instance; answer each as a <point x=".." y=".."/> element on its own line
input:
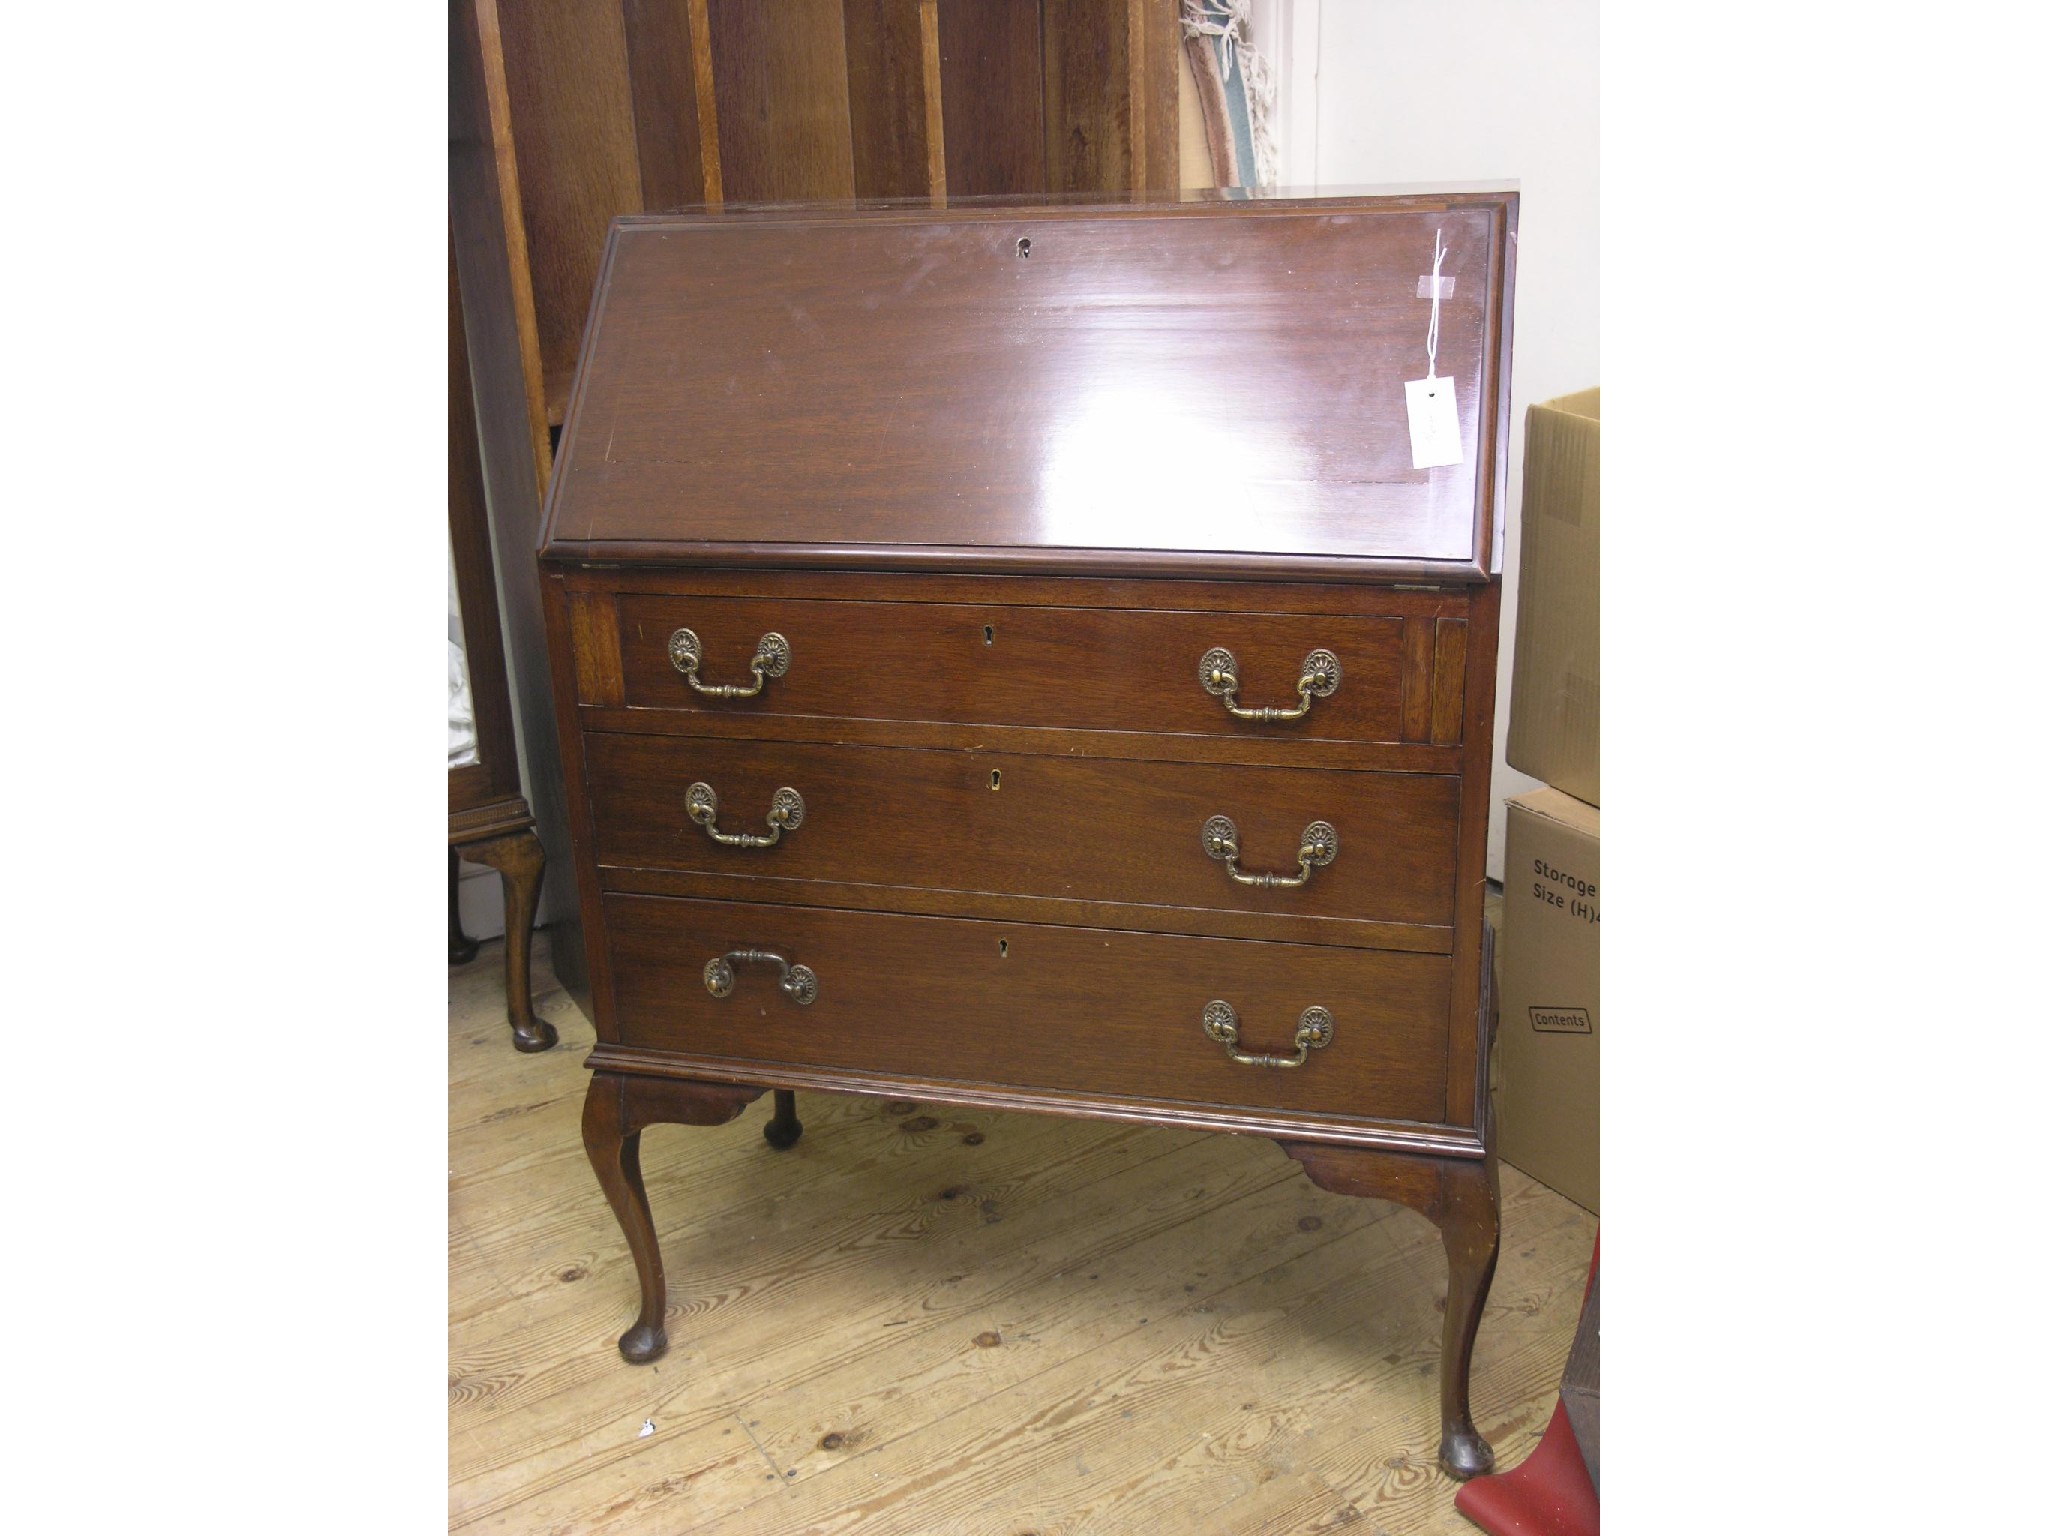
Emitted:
<point x="1311" y="842"/>
<point x="1115" y="669"/>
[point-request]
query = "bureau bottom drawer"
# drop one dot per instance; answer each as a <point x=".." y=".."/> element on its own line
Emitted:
<point x="1028" y="1006"/>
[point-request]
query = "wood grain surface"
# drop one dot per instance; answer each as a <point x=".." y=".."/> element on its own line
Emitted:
<point x="567" y="69"/>
<point x="1086" y="668"/>
<point x="666" y="112"/>
<point x="1198" y="922"/>
<point x="992" y="97"/>
<point x="885" y="88"/>
<point x="927" y="1320"/>
<point x="780" y="78"/>
<point x="1029" y="1006"/>
<point x="1088" y="118"/>
<point x="1079" y="828"/>
<point x="1036" y="741"/>
<point x="1186" y="378"/>
<point x="1204" y="594"/>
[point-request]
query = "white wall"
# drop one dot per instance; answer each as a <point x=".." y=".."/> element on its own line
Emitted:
<point x="481" y="892"/>
<point x="1376" y="92"/>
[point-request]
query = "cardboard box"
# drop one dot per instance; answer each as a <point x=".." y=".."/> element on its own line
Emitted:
<point x="1554" y="709"/>
<point x="1547" y="1059"/>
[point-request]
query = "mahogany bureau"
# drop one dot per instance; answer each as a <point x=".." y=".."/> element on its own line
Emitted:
<point x="1009" y="657"/>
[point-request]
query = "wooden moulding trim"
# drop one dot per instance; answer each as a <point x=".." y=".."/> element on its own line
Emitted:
<point x="474" y="824"/>
<point x="1215" y="565"/>
<point x="1489" y="480"/>
<point x="1466" y="1072"/>
<point x="1026" y="590"/>
<point x="1051" y="911"/>
<point x="1029" y="740"/>
<point x="554" y="603"/>
<point x="1498" y="403"/>
<point x="1053" y="205"/>
<point x="1489" y="1031"/>
<point x="1390" y="1136"/>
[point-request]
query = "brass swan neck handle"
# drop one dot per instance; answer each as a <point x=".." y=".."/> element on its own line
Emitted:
<point x="1318" y="849"/>
<point x="1312" y="1031"/>
<point x="1320" y="675"/>
<point x="785" y="809"/>
<point x="799" y="983"/>
<point x="771" y="659"/>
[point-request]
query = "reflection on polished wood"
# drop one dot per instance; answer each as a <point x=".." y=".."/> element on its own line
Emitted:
<point x="1179" y="378"/>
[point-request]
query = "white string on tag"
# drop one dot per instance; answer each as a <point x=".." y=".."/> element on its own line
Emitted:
<point x="1436" y="299"/>
<point x="1434" y="436"/>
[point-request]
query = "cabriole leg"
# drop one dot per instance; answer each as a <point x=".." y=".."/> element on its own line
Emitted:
<point x="615" y="1155"/>
<point x="616" y="1110"/>
<point x="518" y="858"/>
<point x="783" y="1127"/>
<point x="1462" y="1197"/>
<point x="1471" y="1228"/>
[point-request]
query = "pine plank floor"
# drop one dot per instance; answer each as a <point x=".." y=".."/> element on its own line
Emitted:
<point x="930" y="1320"/>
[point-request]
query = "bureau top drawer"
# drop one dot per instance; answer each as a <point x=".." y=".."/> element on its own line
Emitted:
<point x="1381" y="677"/>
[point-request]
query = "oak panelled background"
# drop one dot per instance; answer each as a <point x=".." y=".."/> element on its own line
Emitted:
<point x="629" y="106"/>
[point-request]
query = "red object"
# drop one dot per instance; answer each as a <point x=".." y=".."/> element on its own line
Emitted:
<point x="1547" y="1495"/>
<point x="1550" y="1493"/>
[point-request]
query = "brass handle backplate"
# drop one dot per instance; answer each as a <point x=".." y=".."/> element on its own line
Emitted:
<point x="786" y="809"/>
<point x="1320" y="675"/>
<point x="799" y="983"/>
<point x="1311" y="1033"/>
<point x="1318" y="848"/>
<point x="771" y="659"/>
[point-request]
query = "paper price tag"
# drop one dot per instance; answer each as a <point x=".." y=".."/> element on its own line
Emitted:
<point x="1433" y="422"/>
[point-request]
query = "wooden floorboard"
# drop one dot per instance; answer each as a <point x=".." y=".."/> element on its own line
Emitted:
<point x="925" y="1319"/>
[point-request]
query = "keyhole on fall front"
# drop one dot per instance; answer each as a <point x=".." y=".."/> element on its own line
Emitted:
<point x="1003" y="948"/>
<point x="1024" y="249"/>
<point x="995" y="778"/>
<point x="988" y="634"/>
